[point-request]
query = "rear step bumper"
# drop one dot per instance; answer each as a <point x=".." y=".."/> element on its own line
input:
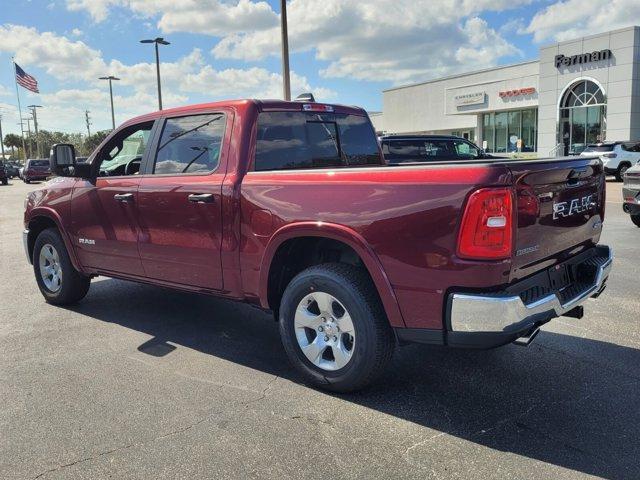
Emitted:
<point x="490" y="320"/>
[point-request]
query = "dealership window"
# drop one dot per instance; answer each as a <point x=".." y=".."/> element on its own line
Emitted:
<point x="582" y="116"/>
<point x="502" y="130"/>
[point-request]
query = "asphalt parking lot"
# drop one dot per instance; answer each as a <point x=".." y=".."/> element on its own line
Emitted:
<point x="142" y="382"/>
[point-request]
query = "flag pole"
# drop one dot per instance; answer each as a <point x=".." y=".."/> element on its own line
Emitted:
<point x="15" y="77"/>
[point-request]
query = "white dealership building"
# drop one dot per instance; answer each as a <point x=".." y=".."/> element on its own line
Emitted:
<point x="579" y="91"/>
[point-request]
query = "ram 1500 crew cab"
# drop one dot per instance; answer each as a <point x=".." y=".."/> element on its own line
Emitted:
<point x="289" y="206"/>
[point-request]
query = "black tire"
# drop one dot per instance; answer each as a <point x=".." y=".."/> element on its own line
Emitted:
<point x="636" y="219"/>
<point x="374" y="339"/>
<point x="621" y="170"/>
<point x="26" y="181"/>
<point x="74" y="286"/>
<point x="5" y="181"/>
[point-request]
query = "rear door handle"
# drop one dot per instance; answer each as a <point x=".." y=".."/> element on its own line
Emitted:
<point x="123" y="197"/>
<point x="201" y="198"/>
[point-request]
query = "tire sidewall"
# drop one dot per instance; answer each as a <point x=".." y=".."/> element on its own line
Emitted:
<point x="324" y="281"/>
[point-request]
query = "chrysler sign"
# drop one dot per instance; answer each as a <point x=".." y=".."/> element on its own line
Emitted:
<point x="562" y="61"/>
<point x="474" y="98"/>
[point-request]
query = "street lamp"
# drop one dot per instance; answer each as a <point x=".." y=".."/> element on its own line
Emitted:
<point x="113" y="118"/>
<point x="157" y="41"/>
<point x="35" y="126"/>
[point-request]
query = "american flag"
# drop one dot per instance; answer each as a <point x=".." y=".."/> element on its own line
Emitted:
<point x="25" y="80"/>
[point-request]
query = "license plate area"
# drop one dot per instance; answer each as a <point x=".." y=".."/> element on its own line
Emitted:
<point x="560" y="276"/>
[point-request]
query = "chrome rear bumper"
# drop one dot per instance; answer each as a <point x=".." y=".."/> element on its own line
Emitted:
<point x="508" y="315"/>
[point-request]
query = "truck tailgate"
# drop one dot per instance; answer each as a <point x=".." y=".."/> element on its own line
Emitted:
<point x="560" y="209"/>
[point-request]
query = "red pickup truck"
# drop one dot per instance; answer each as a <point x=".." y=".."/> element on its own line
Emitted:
<point x="290" y="206"/>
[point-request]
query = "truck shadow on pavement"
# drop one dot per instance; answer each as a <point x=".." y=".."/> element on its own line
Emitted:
<point x="567" y="401"/>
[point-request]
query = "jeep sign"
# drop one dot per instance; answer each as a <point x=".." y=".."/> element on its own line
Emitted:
<point x="562" y="61"/>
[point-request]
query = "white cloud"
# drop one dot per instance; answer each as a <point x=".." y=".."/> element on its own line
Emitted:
<point x="397" y="40"/>
<point x="74" y="61"/>
<point x="212" y="17"/>
<point x="569" y="19"/>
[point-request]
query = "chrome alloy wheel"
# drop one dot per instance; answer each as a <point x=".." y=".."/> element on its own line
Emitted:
<point x="324" y="331"/>
<point x="50" y="268"/>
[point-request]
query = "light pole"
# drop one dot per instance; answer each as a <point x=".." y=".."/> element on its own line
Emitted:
<point x="286" y="82"/>
<point x="35" y="126"/>
<point x="113" y="118"/>
<point x="29" y="136"/>
<point x="157" y="41"/>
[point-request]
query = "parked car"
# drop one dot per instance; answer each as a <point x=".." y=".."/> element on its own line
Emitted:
<point x="616" y="156"/>
<point x="12" y="169"/>
<point x="289" y="206"/>
<point x="631" y="193"/>
<point x="403" y="149"/>
<point x="36" y="170"/>
<point x="4" y="178"/>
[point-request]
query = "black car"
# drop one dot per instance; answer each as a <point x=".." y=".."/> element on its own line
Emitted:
<point x="3" y="174"/>
<point x="403" y="149"/>
<point x="13" y="169"/>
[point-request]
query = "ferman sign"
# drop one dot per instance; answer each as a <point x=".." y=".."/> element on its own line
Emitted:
<point x="474" y="98"/>
<point x="598" y="56"/>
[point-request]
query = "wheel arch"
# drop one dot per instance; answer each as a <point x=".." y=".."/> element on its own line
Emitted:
<point x="339" y="235"/>
<point x="41" y="219"/>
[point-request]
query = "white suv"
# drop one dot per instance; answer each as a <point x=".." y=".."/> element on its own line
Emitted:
<point x="616" y="156"/>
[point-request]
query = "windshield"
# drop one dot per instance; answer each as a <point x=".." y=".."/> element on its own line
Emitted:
<point x="39" y="163"/>
<point x="598" y="148"/>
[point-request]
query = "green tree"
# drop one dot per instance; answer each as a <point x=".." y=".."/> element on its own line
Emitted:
<point x="12" y="141"/>
<point x="92" y="142"/>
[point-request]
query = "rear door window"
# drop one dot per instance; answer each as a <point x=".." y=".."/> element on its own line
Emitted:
<point x="190" y="144"/>
<point x="290" y="140"/>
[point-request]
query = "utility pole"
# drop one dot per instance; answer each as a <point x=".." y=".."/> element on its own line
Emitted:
<point x="35" y="125"/>
<point x="87" y="119"/>
<point x="29" y="136"/>
<point x="113" y="118"/>
<point x="1" y="138"/>
<point x="286" y="82"/>
<point x="24" y="145"/>
<point x="157" y="41"/>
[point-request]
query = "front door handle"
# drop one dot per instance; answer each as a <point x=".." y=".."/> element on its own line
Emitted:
<point x="123" y="197"/>
<point x="201" y="198"/>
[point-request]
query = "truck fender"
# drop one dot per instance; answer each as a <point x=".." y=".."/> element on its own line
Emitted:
<point x="53" y="216"/>
<point x="342" y="234"/>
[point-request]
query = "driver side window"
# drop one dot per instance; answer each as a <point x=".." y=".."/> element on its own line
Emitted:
<point x="123" y="154"/>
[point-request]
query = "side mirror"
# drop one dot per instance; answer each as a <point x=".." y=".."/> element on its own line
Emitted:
<point x="63" y="159"/>
<point x="63" y="162"/>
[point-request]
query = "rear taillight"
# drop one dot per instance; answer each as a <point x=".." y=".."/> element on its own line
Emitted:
<point x="610" y="155"/>
<point x="486" y="232"/>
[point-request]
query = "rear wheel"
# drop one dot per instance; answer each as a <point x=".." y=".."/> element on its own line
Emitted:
<point x="334" y="329"/>
<point x="5" y="181"/>
<point x="622" y="169"/>
<point x="59" y="282"/>
<point x="636" y="219"/>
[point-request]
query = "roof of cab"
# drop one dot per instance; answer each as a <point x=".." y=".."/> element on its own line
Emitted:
<point x="262" y="105"/>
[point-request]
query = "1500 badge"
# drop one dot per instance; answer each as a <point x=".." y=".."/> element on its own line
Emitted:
<point x="573" y="207"/>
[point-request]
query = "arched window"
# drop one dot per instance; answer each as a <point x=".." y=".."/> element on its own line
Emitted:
<point x="583" y="94"/>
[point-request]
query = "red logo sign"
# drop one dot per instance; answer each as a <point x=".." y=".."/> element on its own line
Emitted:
<point x="517" y="92"/>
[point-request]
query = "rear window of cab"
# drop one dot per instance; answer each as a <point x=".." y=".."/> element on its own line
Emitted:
<point x="295" y="140"/>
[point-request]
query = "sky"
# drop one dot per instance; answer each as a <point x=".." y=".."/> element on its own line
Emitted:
<point x="344" y="51"/>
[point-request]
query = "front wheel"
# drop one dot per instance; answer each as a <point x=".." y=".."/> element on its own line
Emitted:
<point x="59" y="282"/>
<point x="5" y="181"/>
<point x="636" y="219"/>
<point x="334" y="329"/>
